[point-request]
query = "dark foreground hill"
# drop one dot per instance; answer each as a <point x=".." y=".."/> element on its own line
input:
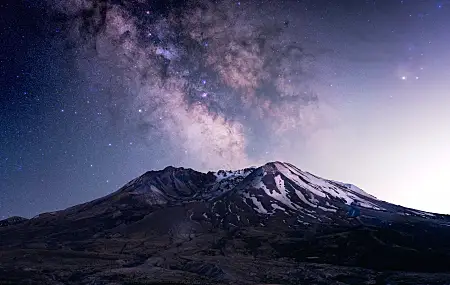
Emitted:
<point x="274" y="224"/>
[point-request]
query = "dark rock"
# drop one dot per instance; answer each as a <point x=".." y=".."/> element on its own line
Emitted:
<point x="273" y="224"/>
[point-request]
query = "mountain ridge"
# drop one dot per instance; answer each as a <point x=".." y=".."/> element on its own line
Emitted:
<point x="170" y="186"/>
<point x="178" y="224"/>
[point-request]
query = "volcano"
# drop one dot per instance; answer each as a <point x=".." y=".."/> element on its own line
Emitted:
<point x="273" y="224"/>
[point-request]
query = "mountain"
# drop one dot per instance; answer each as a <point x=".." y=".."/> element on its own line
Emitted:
<point x="273" y="224"/>
<point x="12" y="221"/>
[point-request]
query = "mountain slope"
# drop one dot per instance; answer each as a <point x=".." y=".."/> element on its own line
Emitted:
<point x="178" y="223"/>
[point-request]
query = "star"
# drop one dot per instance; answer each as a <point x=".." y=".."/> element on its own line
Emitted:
<point x="211" y="86"/>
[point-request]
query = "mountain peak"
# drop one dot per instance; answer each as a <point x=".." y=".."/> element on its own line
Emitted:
<point x="14" y="220"/>
<point x="274" y="210"/>
<point x="280" y="184"/>
<point x="246" y="196"/>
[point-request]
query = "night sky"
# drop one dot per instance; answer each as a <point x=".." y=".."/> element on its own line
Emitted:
<point x="95" y="93"/>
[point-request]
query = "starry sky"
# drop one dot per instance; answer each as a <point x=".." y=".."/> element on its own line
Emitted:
<point x="96" y="92"/>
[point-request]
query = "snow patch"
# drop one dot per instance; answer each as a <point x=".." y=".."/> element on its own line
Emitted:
<point x="327" y="209"/>
<point x="280" y="196"/>
<point x="295" y="177"/>
<point x="323" y="188"/>
<point x="259" y="207"/>
<point x="354" y="188"/>
<point x="222" y="174"/>
<point x="275" y="207"/>
<point x="420" y="213"/>
<point x="303" y="198"/>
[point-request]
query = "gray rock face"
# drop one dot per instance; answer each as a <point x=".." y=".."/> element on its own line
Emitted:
<point x="273" y="224"/>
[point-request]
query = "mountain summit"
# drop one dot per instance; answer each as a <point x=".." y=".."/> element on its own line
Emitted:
<point x="239" y="197"/>
<point x="254" y="225"/>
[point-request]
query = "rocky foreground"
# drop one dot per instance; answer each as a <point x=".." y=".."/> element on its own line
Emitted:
<point x="273" y="224"/>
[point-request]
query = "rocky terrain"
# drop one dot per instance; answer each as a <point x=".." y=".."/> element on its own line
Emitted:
<point x="273" y="224"/>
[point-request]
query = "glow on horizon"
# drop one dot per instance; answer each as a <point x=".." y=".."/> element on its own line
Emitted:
<point x="399" y="153"/>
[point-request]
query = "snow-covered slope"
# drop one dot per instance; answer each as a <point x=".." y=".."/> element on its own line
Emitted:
<point x="179" y="220"/>
<point x="283" y="182"/>
<point x="226" y="180"/>
<point x="353" y="188"/>
<point x="283" y="190"/>
<point x="274" y="191"/>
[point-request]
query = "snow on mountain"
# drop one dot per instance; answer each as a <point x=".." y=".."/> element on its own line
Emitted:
<point x="245" y="196"/>
<point x="230" y="175"/>
<point x="282" y="186"/>
<point x="193" y="222"/>
<point x="225" y="181"/>
<point x="324" y="188"/>
<point x="354" y="188"/>
<point x="269" y="189"/>
<point x="278" y="188"/>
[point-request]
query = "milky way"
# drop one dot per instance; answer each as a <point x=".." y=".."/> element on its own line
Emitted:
<point x="201" y="77"/>
<point x="95" y="93"/>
